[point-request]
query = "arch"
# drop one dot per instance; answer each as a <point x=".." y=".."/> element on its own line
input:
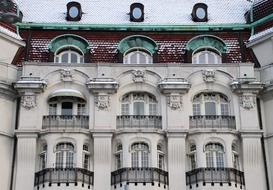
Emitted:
<point x="68" y="40"/>
<point x="137" y="41"/>
<point x="140" y="140"/>
<point x="207" y="41"/>
<point x="66" y="93"/>
<point x="66" y="140"/>
<point x="214" y="140"/>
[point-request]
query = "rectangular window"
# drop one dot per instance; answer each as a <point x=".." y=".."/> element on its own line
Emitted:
<point x="67" y="108"/>
<point x="52" y="109"/>
<point x="138" y="108"/>
<point x="219" y="160"/>
<point x="59" y="159"/>
<point x="125" y="109"/>
<point x="86" y="161"/>
<point x="192" y="161"/>
<point x="161" y="161"/>
<point x="118" y="160"/>
<point x="134" y="159"/>
<point x="209" y="159"/>
<point x="224" y="109"/>
<point x="81" y="109"/>
<point x="152" y="109"/>
<point x="144" y="159"/>
<point x="69" y="159"/>
<point x="196" y="109"/>
<point x="236" y="161"/>
<point x="210" y="108"/>
<point x="42" y="160"/>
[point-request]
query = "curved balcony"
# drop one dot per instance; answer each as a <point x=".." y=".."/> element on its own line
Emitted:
<point x="65" y="121"/>
<point x="139" y="175"/>
<point x="212" y="121"/>
<point x="139" y="121"/>
<point x="215" y="175"/>
<point x="64" y="176"/>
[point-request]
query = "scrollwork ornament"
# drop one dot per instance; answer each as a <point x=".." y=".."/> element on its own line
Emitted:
<point x="247" y="101"/>
<point x="175" y="101"/>
<point x="138" y="76"/>
<point x="66" y="75"/>
<point x="28" y="101"/>
<point x="208" y="75"/>
<point x="102" y="102"/>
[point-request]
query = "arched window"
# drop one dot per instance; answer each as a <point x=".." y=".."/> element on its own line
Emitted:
<point x="160" y="157"/>
<point x="206" y="56"/>
<point x="140" y="154"/>
<point x="118" y="156"/>
<point x="64" y="155"/>
<point x="192" y="156"/>
<point x="137" y="56"/>
<point x="139" y="103"/>
<point x="69" y="55"/>
<point x="210" y="104"/>
<point x="214" y="155"/>
<point x="43" y="157"/>
<point x="235" y="156"/>
<point x="86" y="156"/>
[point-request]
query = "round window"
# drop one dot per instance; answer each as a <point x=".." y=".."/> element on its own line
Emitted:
<point x="137" y="13"/>
<point x="73" y="12"/>
<point x="200" y="13"/>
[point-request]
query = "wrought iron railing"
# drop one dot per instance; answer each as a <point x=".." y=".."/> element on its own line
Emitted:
<point x="139" y="121"/>
<point x="212" y="121"/>
<point x="139" y="175"/>
<point x="63" y="175"/>
<point x="215" y="175"/>
<point x="65" y="121"/>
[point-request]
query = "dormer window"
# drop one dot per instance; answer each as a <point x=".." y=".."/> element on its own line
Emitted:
<point x="200" y="13"/>
<point x="74" y="11"/>
<point x="137" y="12"/>
<point x="206" y="56"/>
<point x="69" y="55"/>
<point x="138" y="56"/>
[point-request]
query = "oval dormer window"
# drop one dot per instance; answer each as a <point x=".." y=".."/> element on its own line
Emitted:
<point x="200" y="13"/>
<point x="74" y="11"/>
<point x="137" y="12"/>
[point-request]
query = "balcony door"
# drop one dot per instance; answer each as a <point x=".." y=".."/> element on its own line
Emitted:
<point x="140" y="155"/>
<point x="67" y="108"/>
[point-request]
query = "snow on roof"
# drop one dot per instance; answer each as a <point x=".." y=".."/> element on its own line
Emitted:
<point x="10" y="33"/>
<point x="116" y="11"/>
<point x="260" y="35"/>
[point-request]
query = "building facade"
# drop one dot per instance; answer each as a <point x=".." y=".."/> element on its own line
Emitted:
<point x="156" y="95"/>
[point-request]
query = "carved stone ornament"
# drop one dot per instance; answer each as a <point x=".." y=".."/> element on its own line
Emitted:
<point x="138" y="76"/>
<point x="28" y="101"/>
<point x="102" y="101"/>
<point x="247" y="101"/>
<point x="208" y="75"/>
<point x="66" y="75"/>
<point x="175" y="101"/>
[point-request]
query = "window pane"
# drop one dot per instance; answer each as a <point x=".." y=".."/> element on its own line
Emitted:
<point x="211" y="58"/>
<point x="64" y="58"/>
<point x="81" y="109"/>
<point x="224" y="109"/>
<point x="42" y="161"/>
<point x="118" y="160"/>
<point x="209" y="159"/>
<point x="210" y="108"/>
<point x="59" y="159"/>
<point x="219" y="160"/>
<point x="202" y="58"/>
<point x="86" y="161"/>
<point x="67" y="108"/>
<point x="74" y="58"/>
<point x="124" y="109"/>
<point x="134" y="159"/>
<point x="133" y="58"/>
<point x="69" y="159"/>
<point x="142" y="58"/>
<point x="192" y="161"/>
<point x="144" y="159"/>
<point x="52" y="109"/>
<point x="196" y="109"/>
<point x="138" y="108"/>
<point x="152" y="109"/>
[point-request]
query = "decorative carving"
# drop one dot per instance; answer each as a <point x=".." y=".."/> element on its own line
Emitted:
<point x="175" y="101"/>
<point x="66" y="75"/>
<point x="208" y="75"/>
<point x="28" y="101"/>
<point x="102" y="101"/>
<point x="247" y="101"/>
<point x="138" y="76"/>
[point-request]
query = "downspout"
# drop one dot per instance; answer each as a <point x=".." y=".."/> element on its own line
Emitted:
<point x="262" y="142"/>
<point x="15" y="143"/>
<point x="251" y="18"/>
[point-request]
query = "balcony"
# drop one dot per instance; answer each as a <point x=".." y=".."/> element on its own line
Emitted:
<point x="139" y="121"/>
<point x="215" y="175"/>
<point x="65" y="121"/>
<point x="139" y="175"/>
<point x="64" y="176"/>
<point x="212" y="121"/>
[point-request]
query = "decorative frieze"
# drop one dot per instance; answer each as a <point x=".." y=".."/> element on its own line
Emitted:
<point x="208" y="75"/>
<point x="138" y="76"/>
<point x="102" y="102"/>
<point x="66" y="75"/>
<point x="175" y="101"/>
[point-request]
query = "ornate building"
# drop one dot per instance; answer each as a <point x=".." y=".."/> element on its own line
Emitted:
<point x="130" y="95"/>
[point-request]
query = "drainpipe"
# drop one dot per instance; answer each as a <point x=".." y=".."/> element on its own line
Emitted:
<point x="251" y="18"/>
<point x="15" y="143"/>
<point x="262" y="142"/>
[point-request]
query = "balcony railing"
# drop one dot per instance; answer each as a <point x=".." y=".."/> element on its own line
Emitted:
<point x="63" y="175"/>
<point x="212" y="121"/>
<point x="139" y="175"/>
<point x="65" y="121"/>
<point x="139" y="121"/>
<point x="215" y="175"/>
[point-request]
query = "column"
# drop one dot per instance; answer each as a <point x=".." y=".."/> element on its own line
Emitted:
<point x="26" y="159"/>
<point x="102" y="160"/>
<point x="177" y="160"/>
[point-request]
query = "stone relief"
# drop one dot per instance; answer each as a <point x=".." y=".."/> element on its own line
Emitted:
<point x="28" y="101"/>
<point x="208" y="75"/>
<point x="175" y="101"/>
<point x="102" y="101"/>
<point x="66" y="75"/>
<point x="247" y="101"/>
<point x="138" y="76"/>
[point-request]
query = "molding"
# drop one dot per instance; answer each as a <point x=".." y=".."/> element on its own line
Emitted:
<point x="2" y="133"/>
<point x="177" y="133"/>
<point x="174" y="85"/>
<point x="7" y="91"/>
<point x="251" y="133"/>
<point x="26" y="133"/>
<point x="12" y="39"/>
<point x="102" y="85"/>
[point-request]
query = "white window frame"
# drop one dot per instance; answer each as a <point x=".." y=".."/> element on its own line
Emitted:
<point x="85" y="153"/>
<point x="235" y="156"/>
<point x="64" y="155"/>
<point x="128" y="102"/>
<point x="206" y="52"/>
<point x="69" y="50"/>
<point x="215" y="157"/>
<point x="43" y="157"/>
<point x="140" y="155"/>
<point x="131" y="52"/>
<point x="192" y="157"/>
<point x="119" y="156"/>
<point x="160" y="154"/>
